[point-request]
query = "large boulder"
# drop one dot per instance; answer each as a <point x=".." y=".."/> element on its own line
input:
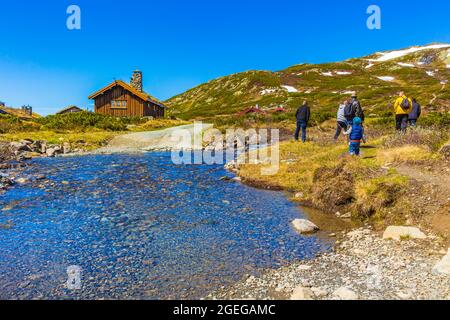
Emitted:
<point x="403" y="233"/>
<point x="6" y="152"/>
<point x="443" y="266"/>
<point x="304" y="226"/>
<point x="66" y="149"/>
<point x="5" y="181"/>
<point x="51" y="152"/>
<point x="345" y="294"/>
<point x="301" y="293"/>
<point x="19" y="146"/>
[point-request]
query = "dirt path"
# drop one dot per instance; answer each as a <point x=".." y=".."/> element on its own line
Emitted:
<point x="154" y="140"/>
<point x="431" y="194"/>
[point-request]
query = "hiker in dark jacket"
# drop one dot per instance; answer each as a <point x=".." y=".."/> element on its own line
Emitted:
<point x="415" y="113"/>
<point x="303" y="115"/>
<point x="359" y="112"/>
<point x="353" y="109"/>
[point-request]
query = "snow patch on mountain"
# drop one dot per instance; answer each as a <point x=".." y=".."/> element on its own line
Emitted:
<point x="343" y="73"/>
<point x="327" y="74"/>
<point x="409" y="65"/>
<point x="386" y="56"/>
<point x="290" y="89"/>
<point x="386" y="78"/>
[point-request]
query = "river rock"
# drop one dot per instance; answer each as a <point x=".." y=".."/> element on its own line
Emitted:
<point x="66" y="148"/>
<point x="26" y="142"/>
<point x="399" y="233"/>
<point x="51" y="152"/>
<point x="301" y="293"/>
<point x="344" y="293"/>
<point x="231" y="165"/>
<point x="18" y="146"/>
<point x="304" y="226"/>
<point x="43" y="148"/>
<point x="319" y="292"/>
<point x="299" y="195"/>
<point x="21" y="180"/>
<point x="443" y="266"/>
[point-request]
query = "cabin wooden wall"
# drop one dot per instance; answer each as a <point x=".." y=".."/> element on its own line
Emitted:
<point x="136" y="107"/>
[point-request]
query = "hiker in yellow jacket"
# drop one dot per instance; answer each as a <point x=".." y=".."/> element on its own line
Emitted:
<point x="402" y="108"/>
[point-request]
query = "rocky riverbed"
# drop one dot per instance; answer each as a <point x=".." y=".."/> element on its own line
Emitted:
<point x="141" y="227"/>
<point x="14" y="158"/>
<point x="362" y="266"/>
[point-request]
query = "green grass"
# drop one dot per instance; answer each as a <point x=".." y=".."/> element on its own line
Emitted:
<point x="331" y="180"/>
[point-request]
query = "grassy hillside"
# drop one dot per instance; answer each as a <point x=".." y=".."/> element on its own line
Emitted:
<point x="17" y="113"/>
<point x="422" y="72"/>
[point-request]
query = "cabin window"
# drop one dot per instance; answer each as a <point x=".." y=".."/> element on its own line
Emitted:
<point x="119" y="104"/>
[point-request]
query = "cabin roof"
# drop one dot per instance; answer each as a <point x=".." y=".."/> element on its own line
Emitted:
<point x="143" y="95"/>
<point x="68" y="108"/>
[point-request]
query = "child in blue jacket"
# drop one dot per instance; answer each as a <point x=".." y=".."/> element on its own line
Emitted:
<point x="356" y="133"/>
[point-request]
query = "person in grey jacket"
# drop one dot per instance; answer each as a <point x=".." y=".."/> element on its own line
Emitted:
<point x="342" y="123"/>
<point x="415" y="113"/>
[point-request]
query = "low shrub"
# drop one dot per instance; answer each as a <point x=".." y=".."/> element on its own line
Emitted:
<point x="84" y="120"/>
<point x="403" y="154"/>
<point x="433" y="138"/>
<point x="440" y="119"/>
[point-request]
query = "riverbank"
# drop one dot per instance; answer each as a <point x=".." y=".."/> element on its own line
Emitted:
<point x="362" y="266"/>
<point x="400" y="180"/>
<point x="374" y="188"/>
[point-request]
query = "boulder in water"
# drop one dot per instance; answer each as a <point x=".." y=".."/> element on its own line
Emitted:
<point x="304" y="226"/>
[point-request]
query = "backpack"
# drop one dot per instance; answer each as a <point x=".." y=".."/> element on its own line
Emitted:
<point x="405" y="105"/>
<point x="359" y="112"/>
<point x="349" y="111"/>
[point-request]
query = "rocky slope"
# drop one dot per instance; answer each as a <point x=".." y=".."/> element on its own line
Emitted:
<point x="423" y="72"/>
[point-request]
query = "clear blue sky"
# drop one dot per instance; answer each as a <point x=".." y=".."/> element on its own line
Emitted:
<point x="179" y="43"/>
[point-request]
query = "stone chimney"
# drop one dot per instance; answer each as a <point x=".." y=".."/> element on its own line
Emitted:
<point x="136" y="80"/>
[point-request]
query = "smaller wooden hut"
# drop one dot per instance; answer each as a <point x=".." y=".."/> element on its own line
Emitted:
<point x="70" y="109"/>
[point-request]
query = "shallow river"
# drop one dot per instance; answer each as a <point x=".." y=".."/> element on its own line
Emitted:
<point x="140" y="227"/>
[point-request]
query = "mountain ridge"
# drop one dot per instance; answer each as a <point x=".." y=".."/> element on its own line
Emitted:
<point x="422" y="71"/>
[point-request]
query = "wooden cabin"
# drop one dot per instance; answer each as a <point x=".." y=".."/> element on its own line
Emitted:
<point x="120" y="99"/>
<point x="70" y="109"/>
